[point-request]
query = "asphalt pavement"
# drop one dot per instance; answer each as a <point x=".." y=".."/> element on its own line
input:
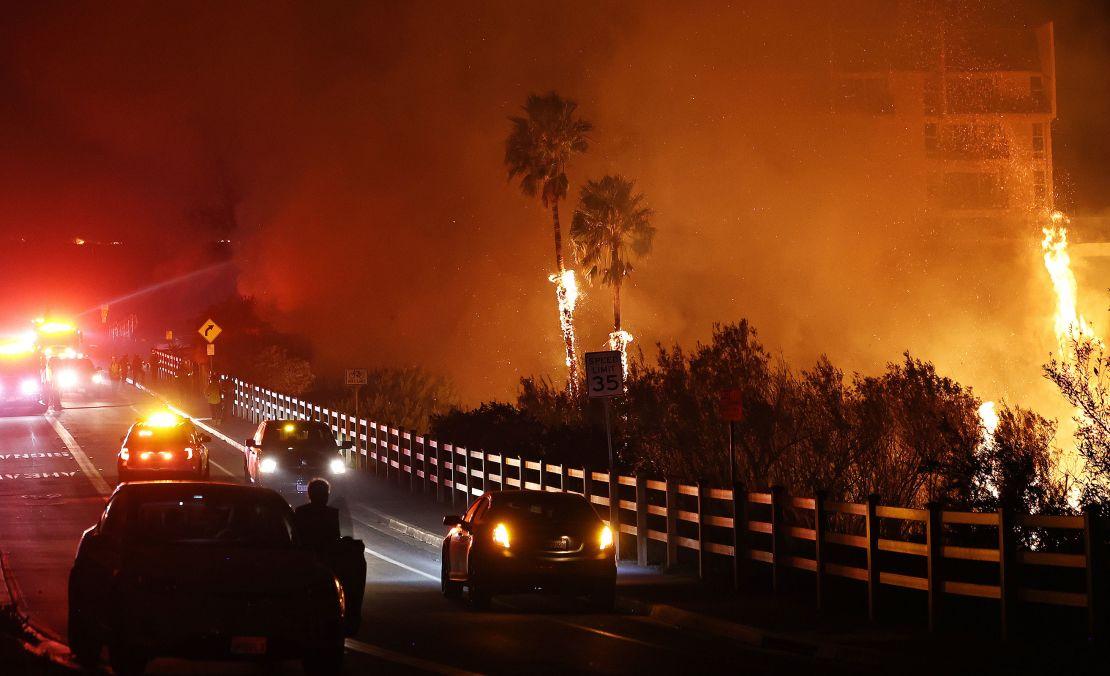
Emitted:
<point x="56" y="470"/>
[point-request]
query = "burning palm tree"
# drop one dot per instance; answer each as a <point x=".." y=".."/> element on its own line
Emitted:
<point x="539" y="146"/>
<point x="611" y="226"/>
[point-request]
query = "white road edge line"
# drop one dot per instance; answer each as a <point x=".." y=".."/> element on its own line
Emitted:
<point x="407" y="660"/>
<point x="79" y="455"/>
<point x="383" y="557"/>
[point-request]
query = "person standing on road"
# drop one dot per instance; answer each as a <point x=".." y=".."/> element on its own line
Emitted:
<point x="316" y="524"/>
<point x="114" y="372"/>
<point x="215" y="399"/>
<point x="137" y="369"/>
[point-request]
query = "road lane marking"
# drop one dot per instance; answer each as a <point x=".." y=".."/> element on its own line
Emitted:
<point x="383" y="557"/>
<point x="407" y="660"/>
<point x="83" y="461"/>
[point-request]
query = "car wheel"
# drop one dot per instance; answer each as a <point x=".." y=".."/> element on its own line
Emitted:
<point x="247" y="472"/>
<point x="451" y="590"/>
<point x="604" y="596"/>
<point x="126" y="661"/>
<point x="324" y="658"/>
<point x="83" y="642"/>
<point x="477" y="593"/>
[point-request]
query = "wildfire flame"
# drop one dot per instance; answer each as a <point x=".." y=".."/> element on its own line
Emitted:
<point x="566" y="291"/>
<point x="1070" y="324"/>
<point x="619" y="340"/>
<point x="988" y="418"/>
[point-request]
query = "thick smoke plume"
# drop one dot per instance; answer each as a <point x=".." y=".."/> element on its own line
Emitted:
<point x="359" y="148"/>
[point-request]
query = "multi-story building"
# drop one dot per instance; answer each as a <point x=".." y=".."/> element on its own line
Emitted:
<point x="977" y="95"/>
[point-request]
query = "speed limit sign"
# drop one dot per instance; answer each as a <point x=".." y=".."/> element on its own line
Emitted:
<point x="604" y="374"/>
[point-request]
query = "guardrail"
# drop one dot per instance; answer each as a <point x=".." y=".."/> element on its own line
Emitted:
<point x="942" y="553"/>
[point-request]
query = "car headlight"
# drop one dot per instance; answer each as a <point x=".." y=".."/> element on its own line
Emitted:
<point x="98" y="378"/>
<point x="605" y="538"/>
<point x="267" y="466"/>
<point x="29" y="386"/>
<point x="337" y="466"/>
<point x="67" y="378"/>
<point x="501" y="535"/>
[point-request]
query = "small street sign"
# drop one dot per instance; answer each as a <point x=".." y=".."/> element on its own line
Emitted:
<point x="731" y="405"/>
<point x="357" y="376"/>
<point x="604" y="374"/>
<point x="210" y="330"/>
<point x="169" y="335"/>
<point x="211" y="349"/>
<point x="103" y="314"/>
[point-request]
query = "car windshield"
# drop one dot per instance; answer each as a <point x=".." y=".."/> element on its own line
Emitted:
<point x="158" y="438"/>
<point x="301" y="434"/>
<point x="545" y="506"/>
<point x="203" y="516"/>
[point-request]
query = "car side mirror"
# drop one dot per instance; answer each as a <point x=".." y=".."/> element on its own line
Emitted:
<point x="249" y="443"/>
<point x="452" y="520"/>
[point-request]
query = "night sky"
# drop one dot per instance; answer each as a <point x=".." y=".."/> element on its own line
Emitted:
<point x="353" y="153"/>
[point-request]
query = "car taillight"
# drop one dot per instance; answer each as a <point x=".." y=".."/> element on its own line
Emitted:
<point x="501" y="535"/>
<point x="146" y="455"/>
<point x="166" y="455"/>
<point x="605" y="538"/>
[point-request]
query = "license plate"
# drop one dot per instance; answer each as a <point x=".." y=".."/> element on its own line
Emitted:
<point x="302" y="487"/>
<point x="248" y="645"/>
<point x="561" y="545"/>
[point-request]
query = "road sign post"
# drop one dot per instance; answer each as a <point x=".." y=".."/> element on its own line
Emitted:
<point x="605" y="380"/>
<point x="357" y="378"/>
<point x="731" y="408"/>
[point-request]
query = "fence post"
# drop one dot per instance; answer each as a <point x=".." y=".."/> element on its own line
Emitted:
<point x="703" y="506"/>
<point x="739" y="533"/>
<point x="485" y="471"/>
<point x="439" y="469"/>
<point x="820" y="520"/>
<point x="672" y="524"/>
<point x="872" y="525"/>
<point x="641" y="520"/>
<point x="520" y="470"/>
<point x="934" y="561"/>
<point x="411" y="448"/>
<point x="425" y="464"/>
<point x="1007" y="567"/>
<point x="543" y="475"/>
<point x="778" y="539"/>
<point x="564" y="476"/>
<point x="450" y="451"/>
<point x="1092" y="544"/>
<point x="588" y="484"/>
<point x="466" y="469"/>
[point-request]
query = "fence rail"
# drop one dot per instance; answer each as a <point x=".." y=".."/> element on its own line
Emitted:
<point x="890" y="546"/>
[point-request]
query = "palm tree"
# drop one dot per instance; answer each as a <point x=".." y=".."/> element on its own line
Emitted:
<point x="539" y="146"/>
<point x="611" y="226"/>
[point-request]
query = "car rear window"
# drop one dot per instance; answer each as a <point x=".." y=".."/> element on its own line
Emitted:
<point x="158" y="438"/>
<point x="553" y="506"/>
<point x="203" y="517"/>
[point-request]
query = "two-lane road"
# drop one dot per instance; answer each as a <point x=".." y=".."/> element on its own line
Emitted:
<point x="55" y="471"/>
